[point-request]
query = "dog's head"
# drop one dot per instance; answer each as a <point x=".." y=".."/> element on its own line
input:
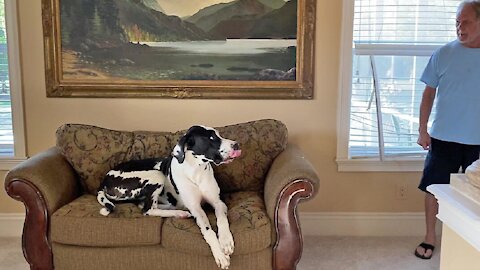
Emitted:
<point x="205" y="143"/>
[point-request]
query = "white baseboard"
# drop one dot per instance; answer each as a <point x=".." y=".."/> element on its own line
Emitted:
<point x="312" y="223"/>
<point x="11" y="225"/>
<point x="364" y="224"/>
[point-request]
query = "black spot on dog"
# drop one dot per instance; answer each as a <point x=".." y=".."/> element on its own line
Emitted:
<point x="166" y="169"/>
<point x="171" y="199"/>
<point x="204" y="160"/>
<point x="137" y="165"/>
<point x="173" y="182"/>
<point x="110" y="206"/>
<point x="147" y="192"/>
<point x="207" y="228"/>
<point x="128" y="193"/>
<point x="165" y="165"/>
<point x="102" y="199"/>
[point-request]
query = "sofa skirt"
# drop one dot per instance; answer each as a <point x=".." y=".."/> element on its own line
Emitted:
<point x="68" y="257"/>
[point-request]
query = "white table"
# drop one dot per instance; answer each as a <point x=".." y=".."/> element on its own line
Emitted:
<point x="459" y="210"/>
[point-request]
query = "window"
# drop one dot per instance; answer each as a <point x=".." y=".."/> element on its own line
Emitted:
<point x="12" y="142"/>
<point x="386" y="46"/>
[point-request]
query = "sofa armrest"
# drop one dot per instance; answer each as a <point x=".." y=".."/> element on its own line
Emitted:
<point x="291" y="178"/>
<point x="50" y="174"/>
<point x="43" y="183"/>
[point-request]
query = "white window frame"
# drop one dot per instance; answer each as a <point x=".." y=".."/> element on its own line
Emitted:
<point x="15" y="76"/>
<point x="344" y="162"/>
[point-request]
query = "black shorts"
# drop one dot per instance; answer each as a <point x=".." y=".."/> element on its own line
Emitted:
<point x="445" y="158"/>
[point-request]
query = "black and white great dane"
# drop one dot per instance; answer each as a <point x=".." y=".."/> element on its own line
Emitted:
<point x="177" y="185"/>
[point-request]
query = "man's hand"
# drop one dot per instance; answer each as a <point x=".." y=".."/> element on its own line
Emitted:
<point x="424" y="140"/>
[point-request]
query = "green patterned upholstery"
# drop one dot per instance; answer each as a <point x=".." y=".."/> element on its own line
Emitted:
<point x="249" y="224"/>
<point x="92" y="151"/>
<point x="79" y="223"/>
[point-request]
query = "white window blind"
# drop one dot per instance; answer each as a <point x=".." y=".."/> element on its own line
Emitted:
<point x="392" y="42"/>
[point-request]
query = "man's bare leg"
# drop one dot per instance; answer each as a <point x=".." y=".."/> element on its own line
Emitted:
<point x="431" y="211"/>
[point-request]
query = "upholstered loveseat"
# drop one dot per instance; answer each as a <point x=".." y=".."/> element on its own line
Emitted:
<point x="64" y="230"/>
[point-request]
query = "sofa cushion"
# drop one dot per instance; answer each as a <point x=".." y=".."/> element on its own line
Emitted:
<point x="79" y="223"/>
<point x="92" y="151"/>
<point x="249" y="224"/>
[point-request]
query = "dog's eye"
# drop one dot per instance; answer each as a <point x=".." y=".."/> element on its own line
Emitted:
<point x="211" y="138"/>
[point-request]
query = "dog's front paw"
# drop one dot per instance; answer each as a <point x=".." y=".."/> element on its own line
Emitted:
<point x="226" y="242"/>
<point x="183" y="214"/>
<point x="222" y="260"/>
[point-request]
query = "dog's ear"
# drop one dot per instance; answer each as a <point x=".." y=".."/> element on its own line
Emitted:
<point x="179" y="150"/>
<point x="185" y="140"/>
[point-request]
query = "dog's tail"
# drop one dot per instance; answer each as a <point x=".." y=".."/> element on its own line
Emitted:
<point x="108" y="206"/>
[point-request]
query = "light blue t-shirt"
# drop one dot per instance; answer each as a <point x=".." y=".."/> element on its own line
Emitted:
<point x="455" y="71"/>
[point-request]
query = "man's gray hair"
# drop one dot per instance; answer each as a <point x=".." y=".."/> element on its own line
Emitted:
<point x="473" y="3"/>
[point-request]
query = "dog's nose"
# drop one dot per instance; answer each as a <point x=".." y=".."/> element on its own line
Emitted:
<point x="236" y="146"/>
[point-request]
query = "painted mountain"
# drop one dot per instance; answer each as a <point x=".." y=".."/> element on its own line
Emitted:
<point x="206" y="12"/>
<point x="236" y="9"/>
<point x="144" y="24"/>
<point x="109" y="22"/>
<point x="280" y="23"/>
<point x="153" y="4"/>
<point x="211" y="10"/>
<point x="249" y="19"/>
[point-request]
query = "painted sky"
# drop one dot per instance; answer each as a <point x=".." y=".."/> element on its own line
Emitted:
<point x="182" y="8"/>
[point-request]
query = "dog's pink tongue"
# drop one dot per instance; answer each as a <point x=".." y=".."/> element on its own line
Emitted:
<point x="235" y="153"/>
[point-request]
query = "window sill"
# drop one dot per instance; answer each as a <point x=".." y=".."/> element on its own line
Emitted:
<point x="7" y="164"/>
<point x="375" y="165"/>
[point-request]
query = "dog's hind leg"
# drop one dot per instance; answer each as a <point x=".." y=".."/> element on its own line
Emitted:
<point x="153" y="208"/>
<point x="152" y="195"/>
<point x="108" y="206"/>
<point x="168" y="213"/>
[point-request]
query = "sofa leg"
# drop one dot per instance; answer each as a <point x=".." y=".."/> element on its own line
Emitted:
<point x="35" y="243"/>
<point x="289" y="245"/>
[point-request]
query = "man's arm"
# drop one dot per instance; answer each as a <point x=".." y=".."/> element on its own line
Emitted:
<point x="426" y="105"/>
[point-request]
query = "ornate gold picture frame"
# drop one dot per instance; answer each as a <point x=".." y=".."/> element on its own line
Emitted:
<point x="231" y="49"/>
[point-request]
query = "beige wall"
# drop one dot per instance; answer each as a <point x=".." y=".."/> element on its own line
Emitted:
<point x="311" y="123"/>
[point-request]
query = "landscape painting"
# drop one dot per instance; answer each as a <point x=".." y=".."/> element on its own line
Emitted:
<point x="177" y="48"/>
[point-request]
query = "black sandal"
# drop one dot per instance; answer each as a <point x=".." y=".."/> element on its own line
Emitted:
<point x="426" y="247"/>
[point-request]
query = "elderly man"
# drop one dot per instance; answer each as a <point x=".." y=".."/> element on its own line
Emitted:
<point x="452" y="76"/>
